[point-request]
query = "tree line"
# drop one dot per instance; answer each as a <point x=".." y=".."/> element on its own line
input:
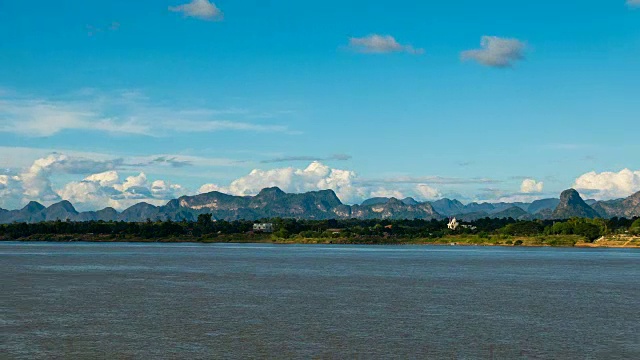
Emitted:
<point x="205" y="227"/>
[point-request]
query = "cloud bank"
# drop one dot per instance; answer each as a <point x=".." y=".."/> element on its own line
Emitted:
<point x="106" y="189"/>
<point x="380" y="44"/>
<point x="607" y="185"/>
<point x="111" y="182"/>
<point x="496" y="52"/>
<point x="100" y="189"/>
<point x="200" y="9"/>
<point x="318" y="176"/>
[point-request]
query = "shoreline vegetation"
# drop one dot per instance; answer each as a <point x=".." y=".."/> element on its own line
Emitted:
<point x="576" y="232"/>
<point x="612" y="241"/>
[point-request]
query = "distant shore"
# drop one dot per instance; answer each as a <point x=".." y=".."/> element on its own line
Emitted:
<point x="614" y="241"/>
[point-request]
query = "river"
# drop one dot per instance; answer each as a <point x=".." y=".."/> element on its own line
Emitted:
<point x="142" y="301"/>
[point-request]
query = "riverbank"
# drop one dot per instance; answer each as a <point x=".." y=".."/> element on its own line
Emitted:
<point x="614" y="241"/>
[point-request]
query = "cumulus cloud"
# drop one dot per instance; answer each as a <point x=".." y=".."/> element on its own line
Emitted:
<point x="207" y="188"/>
<point x="96" y="190"/>
<point x="108" y="178"/>
<point x="106" y="189"/>
<point x="10" y="191"/>
<point x="386" y="193"/>
<point x="36" y="182"/>
<point x="380" y="44"/>
<point x="427" y="192"/>
<point x="496" y="52"/>
<point x="530" y="186"/>
<point x="318" y="176"/>
<point x="201" y="9"/>
<point x="165" y="190"/>
<point x="36" y="179"/>
<point x="32" y="183"/>
<point x="608" y="185"/>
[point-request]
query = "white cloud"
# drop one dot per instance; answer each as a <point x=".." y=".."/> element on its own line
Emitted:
<point x="166" y="190"/>
<point x="201" y="9"/>
<point x="427" y="192"/>
<point x="108" y="178"/>
<point x="207" y="188"/>
<point x="132" y="183"/>
<point x="530" y="186"/>
<point x="633" y="3"/>
<point x="380" y="44"/>
<point x="40" y="118"/>
<point x="318" y="176"/>
<point x="83" y="163"/>
<point x="86" y="193"/>
<point x="118" y="113"/>
<point x="10" y="192"/>
<point x="496" y="52"/>
<point x="105" y="189"/>
<point x="35" y="181"/>
<point x="387" y="193"/>
<point x="607" y="185"/>
<point x="97" y="190"/>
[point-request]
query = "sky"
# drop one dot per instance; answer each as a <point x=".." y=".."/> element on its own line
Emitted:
<point x="113" y="102"/>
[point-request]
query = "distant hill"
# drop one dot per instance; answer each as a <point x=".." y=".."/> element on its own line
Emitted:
<point x="629" y="207"/>
<point x="448" y="207"/>
<point x="63" y="210"/>
<point x="324" y="205"/>
<point x="572" y="205"/>
<point x="394" y="209"/>
<point x="544" y="204"/>
<point x="513" y="212"/>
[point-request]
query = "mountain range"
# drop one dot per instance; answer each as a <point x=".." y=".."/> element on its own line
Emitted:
<point x="322" y="205"/>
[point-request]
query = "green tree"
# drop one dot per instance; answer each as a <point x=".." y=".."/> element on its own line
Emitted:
<point x="523" y="228"/>
<point x="635" y="227"/>
<point x="590" y="231"/>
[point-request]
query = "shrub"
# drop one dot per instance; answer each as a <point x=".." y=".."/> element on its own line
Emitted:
<point x="517" y="243"/>
<point x="282" y="234"/>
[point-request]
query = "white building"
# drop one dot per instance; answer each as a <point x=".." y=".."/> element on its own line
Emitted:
<point x="264" y="228"/>
<point x="453" y="224"/>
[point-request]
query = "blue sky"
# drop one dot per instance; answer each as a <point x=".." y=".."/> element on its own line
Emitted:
<point x="396" y="99"/>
